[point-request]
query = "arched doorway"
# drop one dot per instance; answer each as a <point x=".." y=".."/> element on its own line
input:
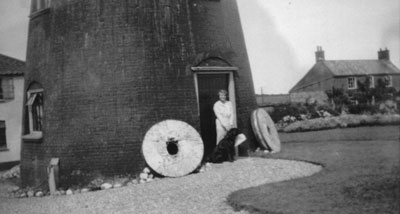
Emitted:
<point x="208" y="81"/>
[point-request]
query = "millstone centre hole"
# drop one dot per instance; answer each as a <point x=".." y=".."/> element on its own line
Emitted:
<point x="172" y="146"/>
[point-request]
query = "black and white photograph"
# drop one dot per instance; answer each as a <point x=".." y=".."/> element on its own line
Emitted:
<point x="200" y="106"/>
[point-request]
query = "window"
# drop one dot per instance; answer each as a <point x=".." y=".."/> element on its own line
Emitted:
<point x="38" y="5"/>
<point x="6" y="89"/>
<point x="351" y="83"/>
<point x="388" y="81"/>
<point x="371" y="81"/>
<point x="3" y="140"/>
<point x="34" y="117"/>
<point x="353" y="101"/>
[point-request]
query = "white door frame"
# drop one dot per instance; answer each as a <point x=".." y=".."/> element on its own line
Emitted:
<point x="231" y="85"/>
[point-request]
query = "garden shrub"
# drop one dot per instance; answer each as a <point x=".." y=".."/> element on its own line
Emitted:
<point x="314" y="124"/>
<point x="328" y="109"/>
<point x="388" y="119"/>
<point x="299" y="111"/>
<point x="363" y="109"/>
<point x="287" y="109"/>
<point x="368" y="119"/>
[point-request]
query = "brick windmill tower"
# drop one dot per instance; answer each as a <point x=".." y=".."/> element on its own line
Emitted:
<point x="101" y="73"/>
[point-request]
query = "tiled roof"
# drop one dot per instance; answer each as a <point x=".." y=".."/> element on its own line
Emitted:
<point x="11" y="66"/>
<point x="360" y="67"/>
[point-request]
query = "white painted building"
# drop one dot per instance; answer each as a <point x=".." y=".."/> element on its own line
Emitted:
<point x="11" y="107"/>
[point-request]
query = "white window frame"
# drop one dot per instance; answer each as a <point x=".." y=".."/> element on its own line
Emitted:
<point x="354" y="83"/>
<point x="217" y="70"/>
<point x="4" y="147"/>
<point x="371" y="81"/>
<point x="388" y="81"/>
<point x="353" y="101"/>
<point x="40" y="5"/>
<point x="33" y="134"/>
<point x="7" y="88"/>
<point x="231" y="87"/>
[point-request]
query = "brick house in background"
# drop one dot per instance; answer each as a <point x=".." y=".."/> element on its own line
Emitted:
<point x="345" y="74"/>
<point x="11" y="101"/>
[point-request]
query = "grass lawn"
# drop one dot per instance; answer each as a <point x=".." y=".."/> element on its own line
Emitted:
<point x="359" y="175"/>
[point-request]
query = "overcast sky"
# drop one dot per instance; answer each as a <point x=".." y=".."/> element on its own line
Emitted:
<point x="281" y="35"/>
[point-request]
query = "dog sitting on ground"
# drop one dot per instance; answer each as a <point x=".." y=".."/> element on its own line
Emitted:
<point x="225" y="150"/>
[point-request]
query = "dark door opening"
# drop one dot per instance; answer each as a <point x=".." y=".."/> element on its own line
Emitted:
<point x="208" y="87"/>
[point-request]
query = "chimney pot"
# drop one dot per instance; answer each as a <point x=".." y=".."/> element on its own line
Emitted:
<point x="383" y="54"/>
<point x="319" y="54"/>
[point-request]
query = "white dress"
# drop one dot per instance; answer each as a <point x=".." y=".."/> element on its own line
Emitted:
<point x="224" y="121"/>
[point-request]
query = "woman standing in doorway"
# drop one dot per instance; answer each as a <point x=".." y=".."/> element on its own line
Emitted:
<point x="223" y="110"/>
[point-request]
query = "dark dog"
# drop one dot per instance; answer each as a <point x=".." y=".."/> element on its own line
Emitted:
<point x="225" y="150"/>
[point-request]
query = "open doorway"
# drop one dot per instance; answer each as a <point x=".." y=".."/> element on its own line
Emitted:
<point x="207" y="86"/>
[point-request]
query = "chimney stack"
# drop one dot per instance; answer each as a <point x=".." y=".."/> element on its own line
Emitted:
<point x="319" y="54"/>
<point x="383" y="54"/>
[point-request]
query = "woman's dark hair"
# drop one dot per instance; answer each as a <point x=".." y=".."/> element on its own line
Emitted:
<point x="223" y="91"/>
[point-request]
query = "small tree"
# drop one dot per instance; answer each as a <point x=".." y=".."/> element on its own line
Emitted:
<point x="381" y="92"/>
<point x="338" y="97"/>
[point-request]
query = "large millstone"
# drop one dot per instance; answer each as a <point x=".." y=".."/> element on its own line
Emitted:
<point x="173" y="148"/>
<point x="265" y="130"/>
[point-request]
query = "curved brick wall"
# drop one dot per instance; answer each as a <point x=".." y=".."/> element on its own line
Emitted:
<point x="112" y="69"/>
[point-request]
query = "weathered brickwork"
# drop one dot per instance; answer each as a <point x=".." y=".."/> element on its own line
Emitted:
<point x="112" y="69"/>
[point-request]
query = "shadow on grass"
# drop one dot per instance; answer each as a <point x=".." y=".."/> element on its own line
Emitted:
<point x="358" y="177"/>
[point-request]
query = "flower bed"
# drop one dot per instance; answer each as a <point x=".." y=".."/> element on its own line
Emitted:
<point x="342" y="121"/>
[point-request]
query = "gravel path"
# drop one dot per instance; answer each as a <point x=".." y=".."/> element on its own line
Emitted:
<point x="196" y="193"/>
